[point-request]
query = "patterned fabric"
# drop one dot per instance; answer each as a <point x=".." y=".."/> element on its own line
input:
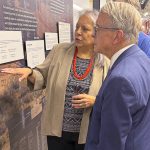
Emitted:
<point x="72" y="117"/>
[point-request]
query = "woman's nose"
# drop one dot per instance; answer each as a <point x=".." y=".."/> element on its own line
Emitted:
<point x="78" y="30"/>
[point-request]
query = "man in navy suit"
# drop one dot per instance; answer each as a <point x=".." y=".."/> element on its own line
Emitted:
<point x="121" y="114"/>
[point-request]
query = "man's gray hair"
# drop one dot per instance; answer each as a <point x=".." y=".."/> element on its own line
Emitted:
<point x="135" y="3"/>
<point x="125" y="17"/>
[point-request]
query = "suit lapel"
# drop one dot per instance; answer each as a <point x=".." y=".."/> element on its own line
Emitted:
<point x="128" y="52"/>
<point x="65" y="70"/>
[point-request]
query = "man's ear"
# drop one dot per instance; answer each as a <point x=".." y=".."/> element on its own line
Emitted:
<point x="119" y="35"/>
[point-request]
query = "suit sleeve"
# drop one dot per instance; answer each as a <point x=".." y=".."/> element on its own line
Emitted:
<point x="119" y="105"/>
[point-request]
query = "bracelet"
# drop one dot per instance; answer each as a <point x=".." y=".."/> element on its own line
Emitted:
<point x="31" y="71"/>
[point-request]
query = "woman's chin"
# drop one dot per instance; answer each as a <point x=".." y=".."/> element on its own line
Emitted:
<point x="78" y="44"/>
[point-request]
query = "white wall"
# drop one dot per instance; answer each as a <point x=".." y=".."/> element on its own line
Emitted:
<point x="102" y="3"/>
<point x="83" y="3"/>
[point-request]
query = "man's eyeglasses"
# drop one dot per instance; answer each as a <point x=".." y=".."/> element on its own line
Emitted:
<point x="97" y="28"/>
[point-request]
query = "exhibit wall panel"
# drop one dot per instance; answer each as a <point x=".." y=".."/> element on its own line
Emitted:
<point x="20" y="109"/>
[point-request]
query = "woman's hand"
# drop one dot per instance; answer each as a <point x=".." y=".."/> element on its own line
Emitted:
<point x="83" y="101"/>
<point x="23" y="72"/>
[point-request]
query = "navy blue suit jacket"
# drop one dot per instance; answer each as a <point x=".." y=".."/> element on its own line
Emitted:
<point x="121" y="114"/>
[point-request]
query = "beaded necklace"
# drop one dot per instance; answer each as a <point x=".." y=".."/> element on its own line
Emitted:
<point x="84" y="75"/>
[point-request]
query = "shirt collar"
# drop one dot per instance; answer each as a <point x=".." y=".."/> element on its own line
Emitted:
<point x="117" y="54"/>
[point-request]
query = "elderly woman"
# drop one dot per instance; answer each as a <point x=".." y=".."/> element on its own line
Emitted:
<point x="72" y="74"/>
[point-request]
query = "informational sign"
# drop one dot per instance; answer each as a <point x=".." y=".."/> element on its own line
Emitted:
<point x="11" y="48"/>
<point x="64" y="32"/>
<point x="51" y="39"/>
<point x="35" y="52"/>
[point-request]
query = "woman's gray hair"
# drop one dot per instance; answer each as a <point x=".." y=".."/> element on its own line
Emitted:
<point x="93" y="15"/>
<point x="125" y="17"/>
